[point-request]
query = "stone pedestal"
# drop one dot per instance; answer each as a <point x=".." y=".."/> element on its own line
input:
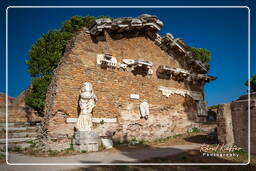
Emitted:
<point x="86" y="141"/>
<point x="107" y="142"/>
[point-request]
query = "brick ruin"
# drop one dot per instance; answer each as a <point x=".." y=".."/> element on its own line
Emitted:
<point x="22" y="122"/>
<point x="232" y="122"/>
<point x="127" y="62"/>
<point x="18" y="111"/>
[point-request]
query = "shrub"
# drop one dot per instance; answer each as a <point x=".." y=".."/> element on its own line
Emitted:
<point x="201" y="54"/>
<point x="36" y="94"/>
<point x="252" y="83"/>
<point x="213" y="107"/>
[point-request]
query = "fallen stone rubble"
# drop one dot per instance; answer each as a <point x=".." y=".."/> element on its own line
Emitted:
<point x="181" y="74"/>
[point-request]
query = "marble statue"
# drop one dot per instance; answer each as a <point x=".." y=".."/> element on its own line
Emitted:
<point x="86" y="103"/>
<point x="144" y="109"/>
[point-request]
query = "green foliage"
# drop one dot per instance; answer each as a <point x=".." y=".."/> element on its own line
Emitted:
<point x="2" y="156"/>
<point x="252" y="83"/>
<point x="195" y="129"/>
<point x="53" y="152"/>
<point x="77" y="22"/>
<point x="16" y="149"/>
<point x="213" y="107"/>
<point x="45" y="55"/>
<point x="201" y="54"/>
<point x="102" y="122"/>
<point x="36" y="95"/>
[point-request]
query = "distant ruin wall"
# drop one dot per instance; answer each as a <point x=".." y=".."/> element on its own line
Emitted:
<point x="225" y="126"/>
<point x="18" y="111"/>
<point x="236" y="132"/>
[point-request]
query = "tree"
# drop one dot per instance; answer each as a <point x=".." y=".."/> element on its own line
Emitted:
<point x="201" y="54"/>
<point x="252" y="83"/>
<point x="45" y="55"/>
<point x="36" y="94"/>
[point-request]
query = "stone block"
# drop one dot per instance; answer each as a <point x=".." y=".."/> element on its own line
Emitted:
<point x="107" y="143"/>
<point x="86" y="135"/>
<point x="86" y="140"/>
<point x="71" y="120"/>
<point x="86" y="147"/>
<point x="134" y="96"/>
<point x="104" y="120"/>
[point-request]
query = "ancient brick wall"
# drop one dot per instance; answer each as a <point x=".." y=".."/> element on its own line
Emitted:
<point x="113" y="88"/>
<point x="240" y="122"/>
<point x="79" y="65"/>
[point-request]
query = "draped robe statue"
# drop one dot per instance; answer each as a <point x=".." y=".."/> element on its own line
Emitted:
<point x="86" y="103"/>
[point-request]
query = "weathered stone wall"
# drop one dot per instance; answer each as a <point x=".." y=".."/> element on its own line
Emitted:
<point x="253" y="126"/>
<point x="225" y="126"/>
<point x="237" y="113"/>
<point x="113" y="88"/>
<point x="18" y="111"/>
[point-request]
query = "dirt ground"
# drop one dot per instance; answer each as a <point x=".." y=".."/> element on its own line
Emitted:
<point x="193" y="156"/>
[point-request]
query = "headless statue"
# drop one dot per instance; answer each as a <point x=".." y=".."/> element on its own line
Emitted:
<point x="86" y="103"/>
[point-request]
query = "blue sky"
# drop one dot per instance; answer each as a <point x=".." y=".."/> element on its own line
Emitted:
<point x="223" y="31"/>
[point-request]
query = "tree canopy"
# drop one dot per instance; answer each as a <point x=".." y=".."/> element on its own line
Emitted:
<point x="201" y="54"/>
<point x="252" y="83"/>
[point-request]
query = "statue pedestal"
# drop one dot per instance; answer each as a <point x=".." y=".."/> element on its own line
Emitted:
<point x="86" y="141"/>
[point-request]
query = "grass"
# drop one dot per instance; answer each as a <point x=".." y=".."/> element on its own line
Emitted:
<point x="53" y="152"/>
<point x="2" y="158"/>
<point x="166" y="139"/>
<point x="183" y="158"/>
<point x="101" y="147"/>
<point x="17" y="149"/>
<point x="195" y="156"/>
<point x="135" y="142"/>
<point x="65" y="151"/>
<point x="119" y="146"/>
<point x="203" y="167"/>
<point x="192" y="156"/>
<point x="195" y="129"/>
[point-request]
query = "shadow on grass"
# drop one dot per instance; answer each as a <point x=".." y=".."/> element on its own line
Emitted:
<point x="201" y="139"/>
<point x="192" y="156"/>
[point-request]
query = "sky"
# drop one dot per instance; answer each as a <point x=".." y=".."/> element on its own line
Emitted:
<point x="223" y="31"/>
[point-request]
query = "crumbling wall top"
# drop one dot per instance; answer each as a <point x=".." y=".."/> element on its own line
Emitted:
<point x="150" y="25"/>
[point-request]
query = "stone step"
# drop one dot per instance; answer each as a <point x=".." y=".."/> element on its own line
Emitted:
<point x="19" y="134"/>
<point x="12" y="129"/>
<point x="19" y="124"/>
<point x="16" y="140"/>
<point x="21" y="145"/>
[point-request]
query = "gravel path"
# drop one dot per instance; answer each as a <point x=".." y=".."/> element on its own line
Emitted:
<point x="83" y="160"/>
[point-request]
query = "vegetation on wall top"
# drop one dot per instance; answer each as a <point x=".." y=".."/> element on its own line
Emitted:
<point x="201" y="54"/>
<point x="252" y="83"/>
